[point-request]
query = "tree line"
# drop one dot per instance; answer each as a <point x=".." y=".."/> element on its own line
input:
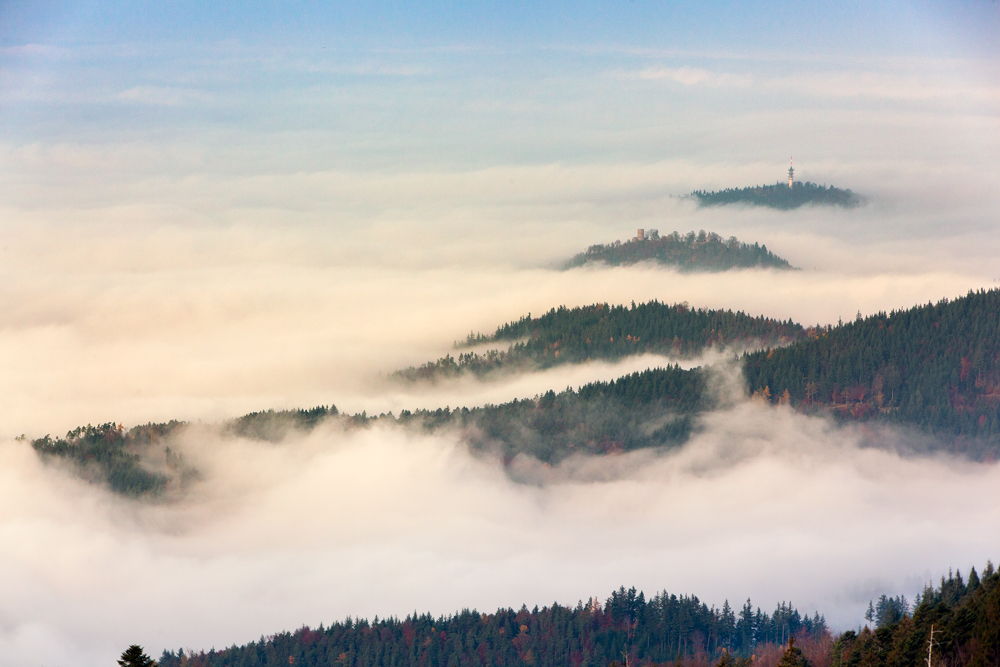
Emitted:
<point x="601" y="331"/>
<point x="965" y="616"/>
<point x="780" y="196"/>
<point x="934" y="367"/>
<point x="690" y="252"/>
<point x="626" y="627"/>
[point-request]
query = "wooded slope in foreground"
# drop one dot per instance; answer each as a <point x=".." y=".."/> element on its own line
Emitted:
<point x="662" y="629"/>
<point x="666" y="630"/>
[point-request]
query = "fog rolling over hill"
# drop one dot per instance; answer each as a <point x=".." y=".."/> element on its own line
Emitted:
<point x="691" y="252"/>
<point x="781" y="196"/>
<point x="602" y="331"/>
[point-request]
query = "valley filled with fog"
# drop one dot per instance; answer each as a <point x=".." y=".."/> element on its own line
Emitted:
<point x="172" y="255"/>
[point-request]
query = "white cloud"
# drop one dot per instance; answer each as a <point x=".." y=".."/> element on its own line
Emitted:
<point x="763" y="502"/>
<point x="164" y="96"/>
<point x="696" y="76"/>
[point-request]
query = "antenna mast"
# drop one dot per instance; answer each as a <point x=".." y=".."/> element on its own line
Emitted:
<point x="791" y="172"/>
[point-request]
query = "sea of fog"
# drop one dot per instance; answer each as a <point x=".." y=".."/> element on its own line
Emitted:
<point x="762" y="503"/>
<point x="197" y="243"/>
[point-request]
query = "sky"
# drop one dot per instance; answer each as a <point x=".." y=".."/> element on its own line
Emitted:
<point x="213" y="208"/>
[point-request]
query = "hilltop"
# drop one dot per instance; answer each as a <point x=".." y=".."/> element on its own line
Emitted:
<point x="572" y="335"/>
<point x="691" y="252"/>
<point x="780" y="196"/>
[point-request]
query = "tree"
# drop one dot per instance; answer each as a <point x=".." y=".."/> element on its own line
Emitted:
<point x="134" y="656"/>
<point x="793" y="657"/>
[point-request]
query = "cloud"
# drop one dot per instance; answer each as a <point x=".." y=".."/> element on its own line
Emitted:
<point x="695" y="76"/>
<point x="762" y="503"/>
<point x="163" y="96"/>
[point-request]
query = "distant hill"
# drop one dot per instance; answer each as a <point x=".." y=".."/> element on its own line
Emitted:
<point x="934" y="367"/>
<point x="139" y="462"/>
<point x="691" y="252"/>
<point x="780" y="196"/>
<point x="572" y="335"/>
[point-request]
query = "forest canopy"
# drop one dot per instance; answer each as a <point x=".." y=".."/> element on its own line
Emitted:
<point x="666" y="627"/>
<point x="600" y="331"/>
<point x="780" y="196"/>
<point x="691" y="252"/>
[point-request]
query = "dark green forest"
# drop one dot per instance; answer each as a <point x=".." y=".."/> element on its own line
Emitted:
<point x="653" y="408"/>
<point x="965" y="616"/>
<point x="780" y="196"/>
<point x="663" y="629"/>
<point x="935" y="368"/>
<point x="140" y="462"/>
<point x="572" y="335"/>
<point x="691" y="252"/>
<point x="110" y="454"/>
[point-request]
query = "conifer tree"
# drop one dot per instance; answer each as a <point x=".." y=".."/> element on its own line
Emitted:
<point x="134" y="656"/>
<point x="793" y="656"/>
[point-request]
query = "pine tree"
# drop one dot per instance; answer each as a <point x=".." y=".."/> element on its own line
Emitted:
<point x="134" y="656"/>
<point x="793" y="657"/>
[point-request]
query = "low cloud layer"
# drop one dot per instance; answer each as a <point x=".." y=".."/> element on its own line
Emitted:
<point x="762" y="503"/>
<point x="199" y="232"/>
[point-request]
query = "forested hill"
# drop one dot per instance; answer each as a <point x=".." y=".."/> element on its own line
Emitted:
<point x="935" y="367"/>
<point x="652" y="408"/>
<point x="572" y="335"/>
<point x="965" y="617"/>
<point x="780" y="196"/>
<point x="692" y="252"/>
<point x="139" y="461"/>
<point x="663" y="629"/>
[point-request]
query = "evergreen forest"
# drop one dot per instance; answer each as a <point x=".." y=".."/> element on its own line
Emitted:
<point x="934" y="368"/>
<point x="691" y="252"/>
<point x="572" y="335"/>
<point x="667" y="628"/>
<point x="964" y="615"/>
<point x="780" y="196"/>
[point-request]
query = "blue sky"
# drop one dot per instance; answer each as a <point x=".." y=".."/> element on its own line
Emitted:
<point x="966" y="27"/>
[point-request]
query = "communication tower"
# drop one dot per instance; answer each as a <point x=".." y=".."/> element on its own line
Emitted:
<point x="791" y="173"/>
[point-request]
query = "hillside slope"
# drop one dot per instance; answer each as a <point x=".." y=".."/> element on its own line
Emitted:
<point x="935" y="367"/>
<point x="572" y="335"/>
<point x="691" y="252"/>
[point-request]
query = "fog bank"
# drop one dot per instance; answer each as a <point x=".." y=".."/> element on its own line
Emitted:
<point x="762" y="503"/>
